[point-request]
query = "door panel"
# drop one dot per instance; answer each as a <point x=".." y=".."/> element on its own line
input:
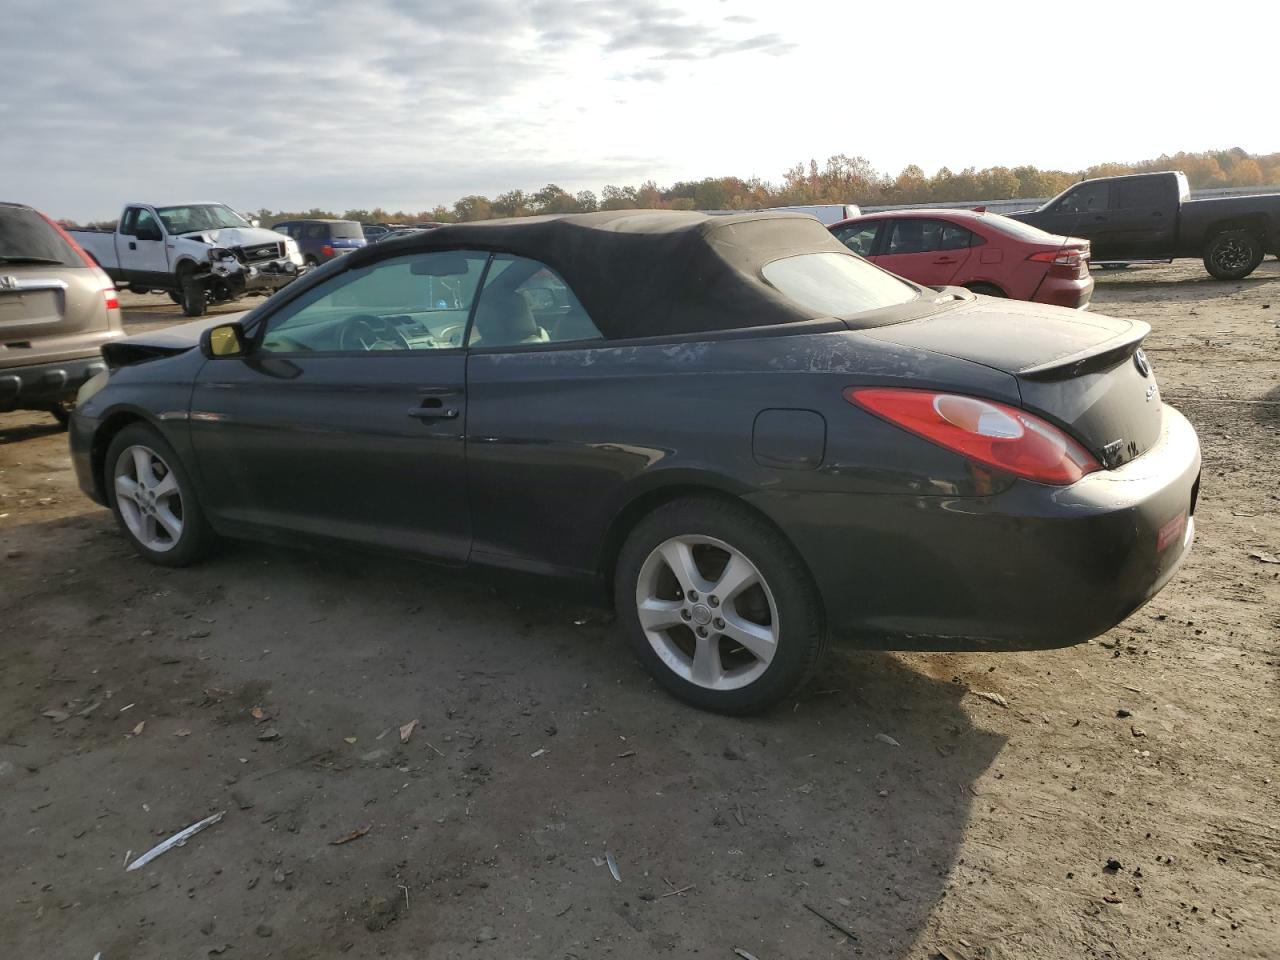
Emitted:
<point x="1084" y="212"/>
<point x="361" y="448"/>
<point x="930" y="252"/>
<point x="347" y="418"/>
<point x="142" y="258"/>
<point x="1143" y="224"/>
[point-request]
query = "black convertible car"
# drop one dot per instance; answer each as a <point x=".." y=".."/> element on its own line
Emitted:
<point x="755" y="438"/>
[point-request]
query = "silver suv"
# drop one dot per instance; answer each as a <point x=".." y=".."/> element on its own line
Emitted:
<point x="57" y="308"/>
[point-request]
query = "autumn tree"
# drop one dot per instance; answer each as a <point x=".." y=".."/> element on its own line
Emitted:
<point x="473" y="208"/>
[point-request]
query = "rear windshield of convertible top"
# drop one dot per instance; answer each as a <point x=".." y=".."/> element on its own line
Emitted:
<point x="836" y="284"/>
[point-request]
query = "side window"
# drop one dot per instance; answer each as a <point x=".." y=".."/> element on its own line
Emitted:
<point x="955" y="237"/>
<point x="146" y="226"/>
<point x="285" y="228"/>
<point x="316" y="231"/>
<point x="523" y="302"/>
<point x="913" y="236"/>
<point x="1087" y="198"/>
<point x="1143" y="193"/>
<point x="927" y="236"/>
<point x="416" y="302"/>
<point x="860" y="237"/>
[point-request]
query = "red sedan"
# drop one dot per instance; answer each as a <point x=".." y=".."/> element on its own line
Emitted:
<point x="985" y="252"/>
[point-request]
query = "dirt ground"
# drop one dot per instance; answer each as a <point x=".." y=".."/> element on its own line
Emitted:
<point x="272" y="684"/>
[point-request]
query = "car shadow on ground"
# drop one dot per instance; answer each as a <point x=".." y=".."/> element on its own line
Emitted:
<point x="540" y="749"/>
<point x="25" y="429"/>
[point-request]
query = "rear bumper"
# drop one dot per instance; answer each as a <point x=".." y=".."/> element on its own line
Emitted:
<point x="1074" y="293"/>
<point x="41" y="385"/>
<point x="1029" y="568"/>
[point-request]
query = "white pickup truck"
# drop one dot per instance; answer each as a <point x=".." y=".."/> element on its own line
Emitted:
<point x="198" y="253"/>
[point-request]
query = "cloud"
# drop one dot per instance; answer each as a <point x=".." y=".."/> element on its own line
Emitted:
<point x="293" y="103"/>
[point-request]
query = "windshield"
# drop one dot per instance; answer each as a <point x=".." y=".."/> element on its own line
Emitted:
<point x="26" y="237"/>
<point x="836" y="285"/>
<point x="200" y="216"/>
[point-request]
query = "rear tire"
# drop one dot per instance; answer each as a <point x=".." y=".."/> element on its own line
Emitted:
<point x="741" y="583"/>
<point x="1232" y="254"/>
<point x="62" y="411"/>
<point x="153" y="499"/>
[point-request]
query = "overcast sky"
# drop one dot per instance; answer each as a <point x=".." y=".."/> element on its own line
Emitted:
<point x="290" y="104"/>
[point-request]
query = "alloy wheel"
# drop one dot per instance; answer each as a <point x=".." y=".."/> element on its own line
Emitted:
<point x="149" y="498"/>
<point x="708" y="612"/>
<point x="1231" y="255"/>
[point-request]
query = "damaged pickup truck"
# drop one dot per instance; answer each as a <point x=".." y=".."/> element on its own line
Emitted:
<point x="198" y="253"/>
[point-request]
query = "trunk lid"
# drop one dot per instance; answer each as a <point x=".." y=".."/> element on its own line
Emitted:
<point x="1083" y="371"/>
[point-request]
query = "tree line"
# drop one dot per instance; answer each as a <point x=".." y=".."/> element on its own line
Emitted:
<point x="842" y="179"/>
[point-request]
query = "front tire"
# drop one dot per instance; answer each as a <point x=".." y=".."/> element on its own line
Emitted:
<point x="1232" y="254"/>
<point x="191" y="295"/>
<point x="718" y="606"/>
<point x="153" y="499"/>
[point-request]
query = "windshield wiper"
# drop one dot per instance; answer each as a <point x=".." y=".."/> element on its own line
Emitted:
<point x="56" y="263"/>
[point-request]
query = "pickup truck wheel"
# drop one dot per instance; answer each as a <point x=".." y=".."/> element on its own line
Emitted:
<point x="1232" y="254"/>
<point x="192" y="297"/>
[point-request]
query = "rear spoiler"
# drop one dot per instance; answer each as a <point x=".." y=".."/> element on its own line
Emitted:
<point x="1091" y="360"/>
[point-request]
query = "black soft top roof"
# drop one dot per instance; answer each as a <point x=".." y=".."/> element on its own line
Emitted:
<point x="645" y="273"/>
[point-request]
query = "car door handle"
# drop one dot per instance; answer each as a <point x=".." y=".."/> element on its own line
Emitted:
<point x="133" y="245"/>
<point x="433" y="408"/>
<point x="946" y="260"/>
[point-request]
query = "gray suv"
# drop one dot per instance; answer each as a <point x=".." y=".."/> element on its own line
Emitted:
<point x="57" y="309"/>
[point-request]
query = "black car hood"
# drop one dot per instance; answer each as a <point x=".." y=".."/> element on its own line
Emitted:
<point x="161" y="343"/>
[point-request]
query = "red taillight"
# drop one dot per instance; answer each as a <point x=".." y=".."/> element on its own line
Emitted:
<point x="327" y="250"/>
<point x="994" y="434"/>
<point x="111" y="297"/>
<point x="1067" y="256"/>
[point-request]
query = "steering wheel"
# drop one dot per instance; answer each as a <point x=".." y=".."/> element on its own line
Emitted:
<point x="368" y="332"/>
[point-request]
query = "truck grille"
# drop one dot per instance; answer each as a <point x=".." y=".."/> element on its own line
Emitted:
<point x="263" y="251"/>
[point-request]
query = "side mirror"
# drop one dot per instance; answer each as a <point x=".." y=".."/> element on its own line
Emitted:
<point x="224" y="340"/>
<point x="149" y="233"/>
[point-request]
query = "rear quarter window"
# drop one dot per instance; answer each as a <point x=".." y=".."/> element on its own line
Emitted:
<point x="346" y="230"/>
<point x="836" y="284"/>
<point x="25" y="235"/>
